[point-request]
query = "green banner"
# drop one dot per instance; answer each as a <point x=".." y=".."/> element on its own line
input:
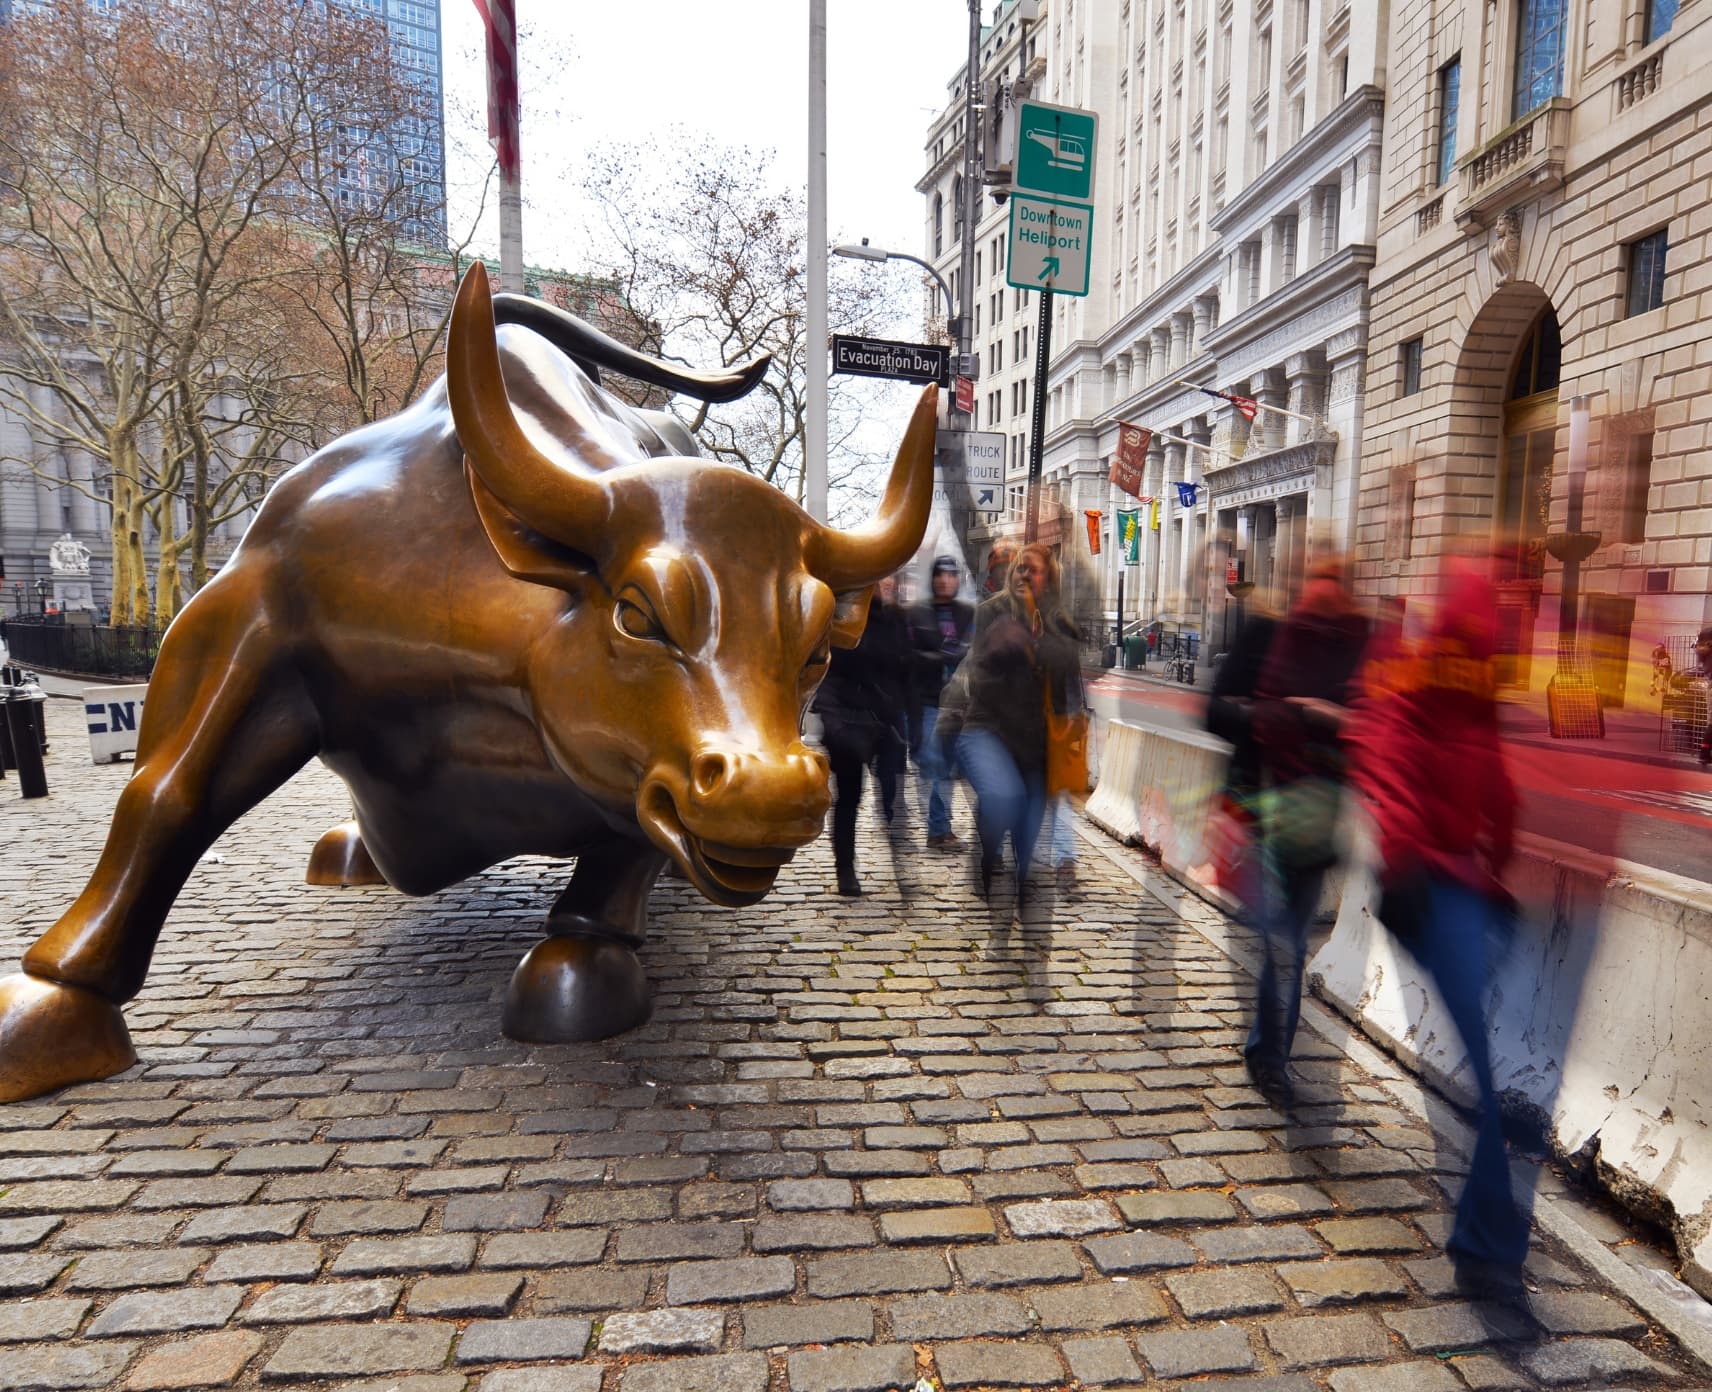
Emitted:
<point x="1129" y="535"/>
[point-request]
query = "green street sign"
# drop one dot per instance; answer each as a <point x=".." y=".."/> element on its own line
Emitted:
<point x="1050" y="242"/>
<point x="1055" y="151"/>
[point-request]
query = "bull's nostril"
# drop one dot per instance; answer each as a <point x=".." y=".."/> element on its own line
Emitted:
<point x="708" y="774"/>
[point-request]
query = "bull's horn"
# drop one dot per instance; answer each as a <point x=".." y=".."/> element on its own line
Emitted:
<point x="568" y="507"/>
<point x="849" y="560"/>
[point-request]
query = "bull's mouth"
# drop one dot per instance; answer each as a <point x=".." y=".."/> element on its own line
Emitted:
<point x="731" y="876"/>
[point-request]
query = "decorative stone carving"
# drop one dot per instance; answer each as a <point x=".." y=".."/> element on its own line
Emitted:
<point x="68" y="556"/>
<point x="1506" y="246"/>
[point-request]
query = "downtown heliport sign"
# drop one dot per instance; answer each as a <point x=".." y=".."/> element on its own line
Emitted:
<point x="1052" y="212"/>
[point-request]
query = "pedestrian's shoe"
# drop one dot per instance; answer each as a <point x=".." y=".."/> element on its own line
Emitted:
<point x="1270" y="1078"/>
<point x="848" y="885"/>
<point x="942" y="840"/>
<point x="988" y="868"/>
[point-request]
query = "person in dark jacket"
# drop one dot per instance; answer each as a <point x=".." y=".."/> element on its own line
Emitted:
<point x="1300" y="706"/>
<point x="1426" y="755"/>
<point x="864" y="707"/>
<point x="939" y="636"/>
<point x="1024" y="646"/>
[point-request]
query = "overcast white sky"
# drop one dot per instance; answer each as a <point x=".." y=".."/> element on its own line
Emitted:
<point x="627" y="70"/>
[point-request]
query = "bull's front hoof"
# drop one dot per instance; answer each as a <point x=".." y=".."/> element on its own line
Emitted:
<point x="341" y="859"/>
<point x="53" y="1035"/>
<point x="570" y="989"/>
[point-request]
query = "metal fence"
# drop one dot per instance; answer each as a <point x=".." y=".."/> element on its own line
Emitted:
<point x="81" y="649"/>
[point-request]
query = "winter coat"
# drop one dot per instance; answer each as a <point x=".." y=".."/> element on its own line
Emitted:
<point x="999" y="686"/>
<point x="867" y="696"/>
<point x="940" y="631"/>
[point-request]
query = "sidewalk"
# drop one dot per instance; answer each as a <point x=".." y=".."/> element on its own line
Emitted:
<point x="861" y="1143"/>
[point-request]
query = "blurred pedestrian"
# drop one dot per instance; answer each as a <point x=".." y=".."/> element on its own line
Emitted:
<point x="1703" y="660"/>
<point x="1234" y="825"/>
<point x="939" y="634"/>
<point x="1425" y="754"/>
<point x="864" y="706"/>
<point x="1300" y="705"/>
<point x="999" y="558"/>
<point x="1023" y="654"/>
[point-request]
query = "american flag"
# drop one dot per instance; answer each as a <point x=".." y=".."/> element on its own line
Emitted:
<point x="1246" y="404"/>
<point x="499" y="20"/>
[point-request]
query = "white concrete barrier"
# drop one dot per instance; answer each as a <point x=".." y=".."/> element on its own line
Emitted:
<point x="113" y="714"/>
<point x="1598" y="1022"/>
<point x="1115" y="804"/>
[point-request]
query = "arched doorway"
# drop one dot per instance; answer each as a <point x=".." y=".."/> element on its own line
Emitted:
<point x="1502" y="441"/>
<point x="1523" y="513"/>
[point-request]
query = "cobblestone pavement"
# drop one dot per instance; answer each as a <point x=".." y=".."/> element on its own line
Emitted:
<point x="860" y="1144"/>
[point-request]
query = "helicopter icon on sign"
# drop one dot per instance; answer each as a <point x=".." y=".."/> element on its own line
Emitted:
<point x="1062" y="151"/>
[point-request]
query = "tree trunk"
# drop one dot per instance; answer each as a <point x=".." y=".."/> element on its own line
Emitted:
<point x="130" y="566"/>
<point x="169" y="587"/>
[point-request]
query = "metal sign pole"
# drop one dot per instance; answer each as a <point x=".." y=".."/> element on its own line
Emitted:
<point x="1037" y="424"/>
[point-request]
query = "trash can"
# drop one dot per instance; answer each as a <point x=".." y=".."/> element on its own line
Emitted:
<point x="1109" y="655"/>
<point x="1135" y="652"/>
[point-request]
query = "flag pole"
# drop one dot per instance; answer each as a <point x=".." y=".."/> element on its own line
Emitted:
<point x="1259" y="404"/>
<point x="504" y="122"/>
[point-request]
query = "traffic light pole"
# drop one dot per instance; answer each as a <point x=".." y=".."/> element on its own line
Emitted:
<point x="1037" y="421"/>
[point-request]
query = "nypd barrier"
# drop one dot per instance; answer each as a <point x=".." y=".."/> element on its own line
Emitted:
<point x="1598" y="1022"/>
<point x="1598" y="1016"/>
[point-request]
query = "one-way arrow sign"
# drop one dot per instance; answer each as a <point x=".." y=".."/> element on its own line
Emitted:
<point x="884" y="357"/>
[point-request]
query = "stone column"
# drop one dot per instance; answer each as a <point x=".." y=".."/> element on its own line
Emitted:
<point x="1161" y="353"/>
<point x="1203" y="323"/>
<point x="1179" y="339"/>
<point x="1121" y="379"/>
<point x="1269" y="390"/>
<point x="1152" y="542"/>
<point x="1171" y="520"/>
<point x="1306" y="377"/>
<point x="1142" y="355"/>
<point x="1284" y="564"/>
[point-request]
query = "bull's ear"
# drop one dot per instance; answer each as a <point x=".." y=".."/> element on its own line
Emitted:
<point x="521" y="549"/>
<point x="850" y="617"/>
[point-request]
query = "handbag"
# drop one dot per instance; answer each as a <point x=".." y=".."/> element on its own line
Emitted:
<point x="1299" y="819"/>
<point x="1066" y="748"/>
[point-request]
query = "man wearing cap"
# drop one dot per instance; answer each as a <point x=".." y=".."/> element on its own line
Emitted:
<point x="939" y="636"/>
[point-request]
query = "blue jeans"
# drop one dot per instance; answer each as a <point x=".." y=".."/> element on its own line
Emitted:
<point x="1490" y="1225"/>
<point x="1060" y="833"/>
<point x="1288" y="898"/>
<point x="935" y="771"/>
<point x="1008" y="800"/>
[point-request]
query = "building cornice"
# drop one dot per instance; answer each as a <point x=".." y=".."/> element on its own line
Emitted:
<point x="1361" y="113"/>
<point x="1348" y="269"/>
<point x="1198" y="277"/>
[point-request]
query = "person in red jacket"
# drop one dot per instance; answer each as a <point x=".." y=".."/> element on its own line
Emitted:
<point x="1425" y="754"/>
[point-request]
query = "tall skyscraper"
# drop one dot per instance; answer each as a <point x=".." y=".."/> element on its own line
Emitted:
<point x="415" y="29"/>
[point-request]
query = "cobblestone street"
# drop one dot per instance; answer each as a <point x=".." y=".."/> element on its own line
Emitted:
<point x="861" y="1143"/>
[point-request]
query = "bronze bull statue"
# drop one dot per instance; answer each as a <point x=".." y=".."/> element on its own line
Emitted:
<point x="514" y="619"/>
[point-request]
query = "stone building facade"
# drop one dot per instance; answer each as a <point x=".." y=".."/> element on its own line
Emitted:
<point x="1237" y="200"/>
<point x="1543" y="237"/>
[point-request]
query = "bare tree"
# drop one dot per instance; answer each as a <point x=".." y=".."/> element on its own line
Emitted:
<point x="711" y="262"/>
<point x="203" y="208"/>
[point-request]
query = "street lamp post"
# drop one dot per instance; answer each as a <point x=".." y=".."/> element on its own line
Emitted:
<point x="42" y="588"/>
<point x="865" y="252"/>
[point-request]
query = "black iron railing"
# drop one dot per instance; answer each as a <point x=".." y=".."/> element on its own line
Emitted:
<point x="81" y="649"/>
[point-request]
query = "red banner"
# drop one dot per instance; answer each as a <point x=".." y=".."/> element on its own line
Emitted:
<point x="1129" y="464"/>
<point x="1093" y="515"/>
<point x="499" y="19"/>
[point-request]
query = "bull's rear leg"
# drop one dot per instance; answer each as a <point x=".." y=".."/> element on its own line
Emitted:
<point x="341" y="860"/>
<point x="222" y="729"/>
<point x="585" y="980"/>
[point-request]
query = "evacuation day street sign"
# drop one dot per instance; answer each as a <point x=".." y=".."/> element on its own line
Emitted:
<point x="884" y="357"/>
<point x="1052" y="217"/>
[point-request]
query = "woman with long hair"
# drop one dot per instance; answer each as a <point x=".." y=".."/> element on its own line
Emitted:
<point x="1023" y="654"/>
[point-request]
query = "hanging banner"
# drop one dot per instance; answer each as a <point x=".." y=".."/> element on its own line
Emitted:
<point x="1156" y="514"/>
<point x="1186" y="494"/>
<point x="1093" y="515"/>
<point x="1129" y="535"/>
<point x="1129" y="464"/>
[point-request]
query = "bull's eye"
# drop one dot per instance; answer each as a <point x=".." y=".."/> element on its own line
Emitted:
<point x="634" y="621"/>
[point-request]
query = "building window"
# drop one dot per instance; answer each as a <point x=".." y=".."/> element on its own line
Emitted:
<point x="1646" y="273"/>
<point x="1661" y="14"/>
<point x="1637" y="480"/>
<point x="1450" y="83"/>
<point x="1411" y="364"/>
<point x="939" y="224"/>
<point x="1540" y="26"/>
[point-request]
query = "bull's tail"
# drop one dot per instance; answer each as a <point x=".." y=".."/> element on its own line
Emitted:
<point x="592" y="350"/>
